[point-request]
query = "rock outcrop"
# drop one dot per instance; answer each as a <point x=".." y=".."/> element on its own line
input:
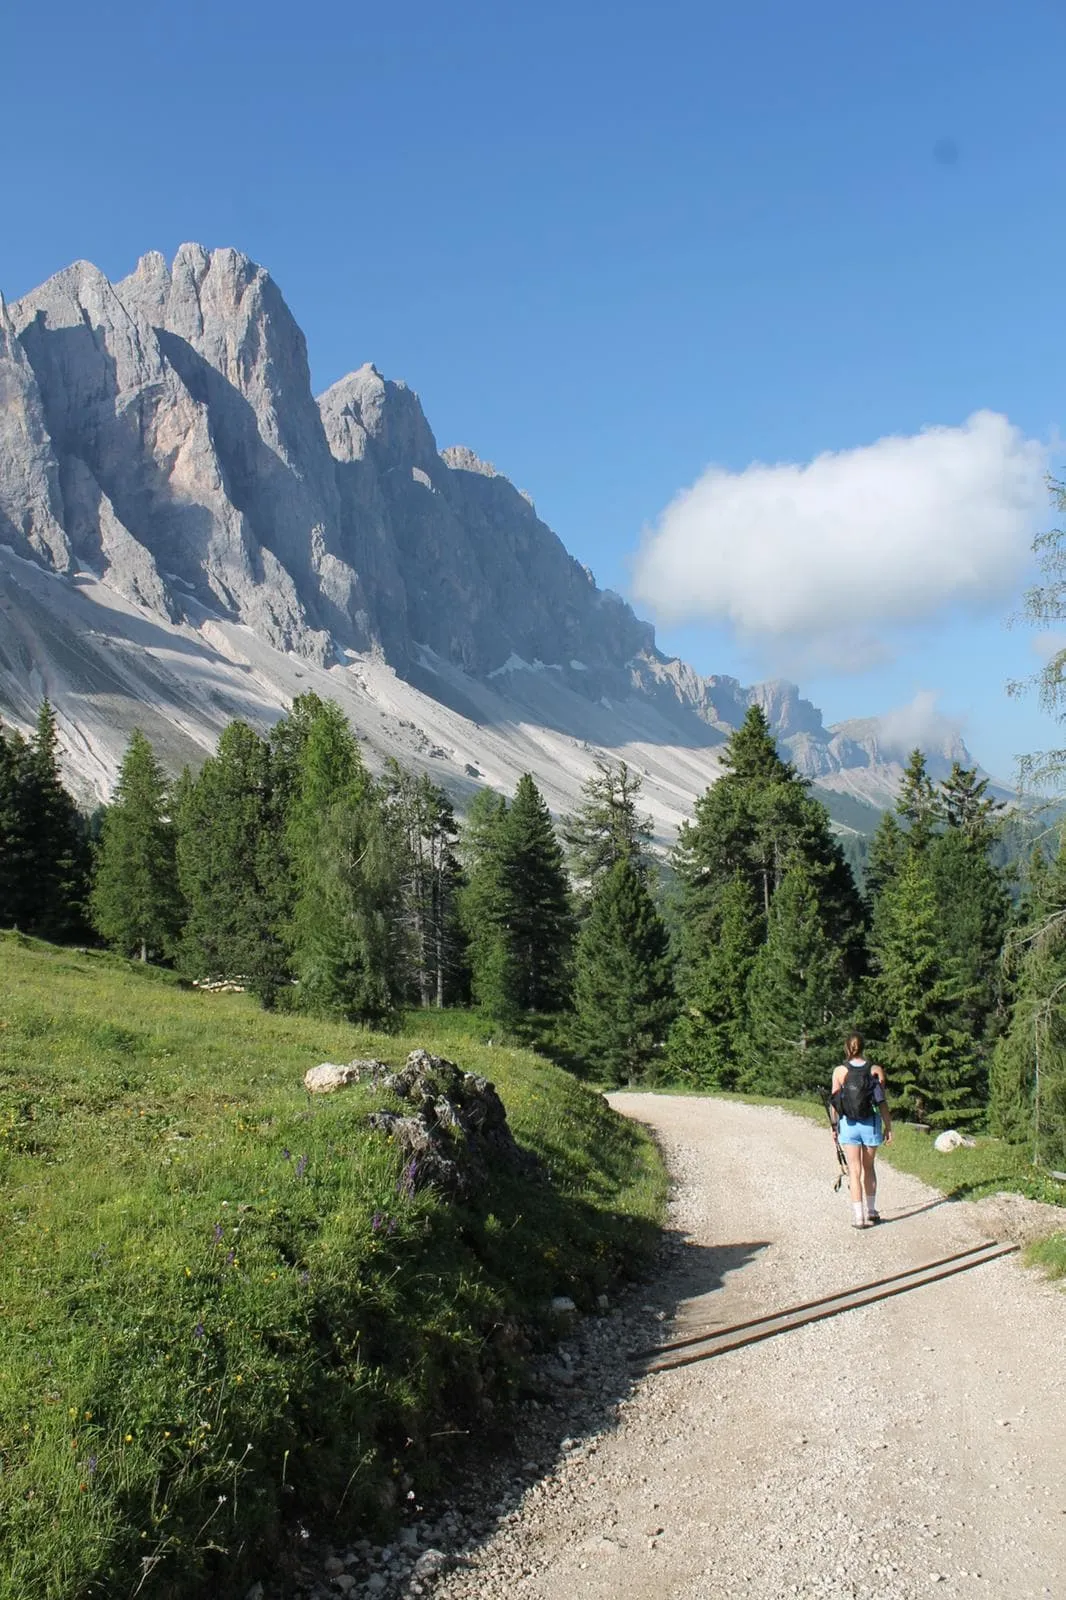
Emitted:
<point x="160" y="443"/>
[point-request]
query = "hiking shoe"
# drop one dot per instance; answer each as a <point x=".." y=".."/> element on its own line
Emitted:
<point x="873" y="1217"/>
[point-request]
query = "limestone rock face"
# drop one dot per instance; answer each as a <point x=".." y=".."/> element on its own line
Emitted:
<point x="31" y="506"/>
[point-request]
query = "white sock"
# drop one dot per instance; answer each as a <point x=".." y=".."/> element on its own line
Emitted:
<point x="856" y="1210"/>
<point x="871" y="1203"/>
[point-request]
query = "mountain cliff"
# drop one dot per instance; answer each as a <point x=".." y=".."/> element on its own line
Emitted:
<point x="190" y="535"/>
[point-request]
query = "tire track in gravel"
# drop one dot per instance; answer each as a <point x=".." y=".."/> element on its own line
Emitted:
<point x="905" y="1449"/>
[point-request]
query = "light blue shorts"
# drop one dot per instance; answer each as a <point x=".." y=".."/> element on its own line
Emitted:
<point x="865" y="1133"/>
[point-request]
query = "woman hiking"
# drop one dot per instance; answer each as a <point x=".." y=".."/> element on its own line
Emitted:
<point x="863" y="1123"/>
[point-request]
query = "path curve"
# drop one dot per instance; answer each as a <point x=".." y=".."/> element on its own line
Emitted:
<point x="906" y="1449"/>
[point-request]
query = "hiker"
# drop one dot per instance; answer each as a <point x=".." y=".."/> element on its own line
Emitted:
<point x="862" y="1124"/>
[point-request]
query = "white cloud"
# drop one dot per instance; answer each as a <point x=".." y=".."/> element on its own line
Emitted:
<point x="919" y="725"/>
<point x="852" y="544"/>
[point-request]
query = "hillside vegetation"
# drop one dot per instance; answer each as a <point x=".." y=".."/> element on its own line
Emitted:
<point x="224" y="1309"/>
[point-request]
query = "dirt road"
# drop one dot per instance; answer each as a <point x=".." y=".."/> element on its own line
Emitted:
<point x="911" y="1448"/>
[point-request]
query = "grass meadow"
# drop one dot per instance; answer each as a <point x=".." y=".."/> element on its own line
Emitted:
<point x="223" y="1313"/>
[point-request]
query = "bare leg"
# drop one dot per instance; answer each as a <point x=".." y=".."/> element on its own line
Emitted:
<point x="854" y="1154"/>
<point x="869" y="1180"/>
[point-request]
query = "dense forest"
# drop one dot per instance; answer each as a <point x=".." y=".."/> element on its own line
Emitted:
<point x="283" y="865"/>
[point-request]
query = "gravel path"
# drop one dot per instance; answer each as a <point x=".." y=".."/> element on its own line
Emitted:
<point x="906" y="1449"/>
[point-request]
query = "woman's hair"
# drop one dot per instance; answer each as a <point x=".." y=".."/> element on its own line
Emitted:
<point x="853" y="1045"/>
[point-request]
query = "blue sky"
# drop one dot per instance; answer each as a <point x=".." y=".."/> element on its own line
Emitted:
<point x="611" y="246"/>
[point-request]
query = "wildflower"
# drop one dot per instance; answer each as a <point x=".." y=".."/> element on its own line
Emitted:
<point x="231" y="1258"/>
<point x="392" y="1225"/>
<point x="376" y="1221"/>
<point x="198" y="1331"/>
<point x="91" y="1465"/>
<point x="129" y="1438"/>
<point x="301" y="1166"/>
<point x="305" y="1276"/>
<point x="218" y="1233"/>
<point x="286" y="1155"/>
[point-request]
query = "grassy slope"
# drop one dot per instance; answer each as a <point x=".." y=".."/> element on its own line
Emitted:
<point x="220" y="1308"/>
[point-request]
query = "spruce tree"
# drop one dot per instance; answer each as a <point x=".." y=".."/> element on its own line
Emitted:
<point x="135" y="903"/>
<point x="607" y="826"/>
<point x="535" y="907"/>
<point x="797" y="997"/>
<point x="706" y="1040"/>
<point x="917" y="802"/>
<point x="349" y="953"/>
<point x="966" y="804"/>
<point x="17" y="888"/>
<point x="755" y="820"/>
<point x="623" y="983"/>
<point x="226" y="848"/>
<point x="920" y="991"/>
<point x="57" y="850"/>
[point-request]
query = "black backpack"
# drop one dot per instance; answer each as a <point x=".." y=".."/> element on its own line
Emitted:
<point x="857" y="1094"/>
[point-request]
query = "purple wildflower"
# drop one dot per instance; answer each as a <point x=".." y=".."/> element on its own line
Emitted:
<point x="301" y="1166"/>
<point x="91" y="1465"/>
<point x="305" y="1276"/>
<point x="392" y="1225"/>
<point x="406" y="1181"/>
<point x="231" y="1258"/>
<point x="286" y="1155"/>
<point x="198" y="1331"/>
<point x="218" y="1233"/>
<point x="377" y="1221"/>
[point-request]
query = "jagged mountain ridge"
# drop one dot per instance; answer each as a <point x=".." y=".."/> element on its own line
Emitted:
<point x="215" y="539"/>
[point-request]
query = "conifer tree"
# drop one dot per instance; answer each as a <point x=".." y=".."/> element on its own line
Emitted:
<point x="481" y="904"/>
<point x="917" y="802"/>
<point x="920" y="992"/>
<point x="135" y="902"/>
<point x="17" y="890"/>
<point x="966" y="804"/>
<point x="535" y="906"/>
<point x="607" y="826"/>
<point x="975" y="914"/>
<point x="623" y="983"/>
<point x="755" y="820"/>
<point x="348" y="948"/>
<point x="57" y="852"/>
<point x="430" y="882"/>
<point x="226" y="849"/>
<point x="706" y="1040"/>
<point x="797" y="996"/>
<point x="1027" y="1075"/>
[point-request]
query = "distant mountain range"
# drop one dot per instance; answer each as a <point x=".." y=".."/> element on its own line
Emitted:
<point x="187" y="536"/>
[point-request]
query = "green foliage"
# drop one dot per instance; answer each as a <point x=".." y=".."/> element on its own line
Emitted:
<point x="1027" y="1089"/>
<point x="431" y="879"/>
<point x="919" y="989"/>
<point x="222" y="1309"/>
<point x="227" y="846"/>
<point x="706" y="1041"/>
<point x="349" y="951"/>
<point x="136" y="905"/>
<point x="516" y="906"/>
<point x="44" y="848"/>
<point x="607" y="826"/>
<point x="797" y="996"/>
<point x="623" y="979"/>
<point x="917" y="802"/>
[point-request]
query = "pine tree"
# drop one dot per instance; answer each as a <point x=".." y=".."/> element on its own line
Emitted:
<point x="57" y="851"/>
<point x="797" y="997"/>
<point x="755" y="820"/>
<point x="607" y="825"/>
<point x="623" y="984"/>
<point x="917" y="802"/>
<point x="965" y="804"/>
<point x="975" y="914"/>
<point x="226" y="848"/>
<point x="535" y="909"/>
<point x="136" y="906"/>
<point x="348" y="948"/>
<point x="17" y="888"/>
<point x="706" y="1039"/>
<point x="920" y="991"/>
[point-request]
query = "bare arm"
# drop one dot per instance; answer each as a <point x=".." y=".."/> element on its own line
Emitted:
<point x="886" y="1115"/>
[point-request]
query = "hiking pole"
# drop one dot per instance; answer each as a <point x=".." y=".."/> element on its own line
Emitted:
<point x="841" y="1157"/>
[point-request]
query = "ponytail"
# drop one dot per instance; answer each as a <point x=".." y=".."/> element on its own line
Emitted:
<point x="852" y="1046"/>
